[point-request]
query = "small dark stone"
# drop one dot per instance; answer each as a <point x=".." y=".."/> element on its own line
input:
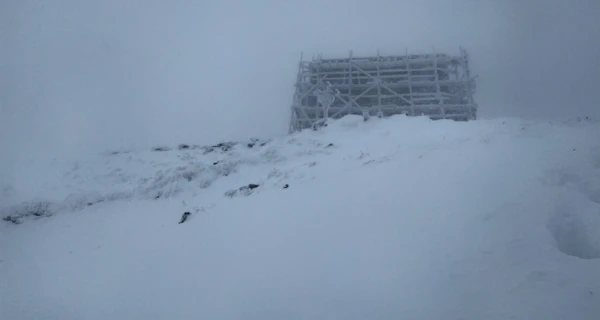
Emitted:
<point x="329" y="145"/>
<point x="160" y="149"/>
<point x="216" y="163"/>
<point x="253" y="186"/>
<point x="183" y="146"/>
<point x="12" y="219"/>
<point x="285" y="186"/>
<point x="157" y="196"/>
<point x="189" y="176"/>
<point x="224" y="146"/>
<point x="184" y="217"/>
<point x="90" y="203"/>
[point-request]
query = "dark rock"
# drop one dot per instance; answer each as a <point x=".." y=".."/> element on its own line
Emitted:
<point x="161" y="149"/>
<point x="189" y="176"/>
<point x="183" y="146"/>
<point x="253" y="143"/>
<point x="285" y="186"/>
<point x="216" y="163"/>
<point x="319" y="124"/>
<point x="224" y="146"/>
<point x="184" y="217"/>
<point x="244" y="190"/>
<point x="12" y="219"/>
<point x="329" y="145"/>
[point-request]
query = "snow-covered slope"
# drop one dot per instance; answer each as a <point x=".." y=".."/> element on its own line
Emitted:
<point x="399" y="218"/>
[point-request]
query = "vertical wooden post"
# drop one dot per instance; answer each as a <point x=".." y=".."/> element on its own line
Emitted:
<point x="351" y="80"/>
<point x="409" y="78"/>
<point x="378" y="80"/>
<point x="438" y="91"/>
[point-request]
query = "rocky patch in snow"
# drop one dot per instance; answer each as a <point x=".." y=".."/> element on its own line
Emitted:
<point x="242" y="191"/>
<point x="34" y="209"/>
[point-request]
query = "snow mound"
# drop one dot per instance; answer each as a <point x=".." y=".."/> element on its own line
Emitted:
<point x="575" y="225"/>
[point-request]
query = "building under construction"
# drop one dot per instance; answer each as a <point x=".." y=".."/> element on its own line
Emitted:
<point x="435" y="85"/>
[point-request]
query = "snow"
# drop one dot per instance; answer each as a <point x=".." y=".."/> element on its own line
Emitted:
<point x="397" y="218"/>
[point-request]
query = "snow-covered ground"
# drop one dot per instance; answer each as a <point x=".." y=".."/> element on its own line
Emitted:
<point x="399" y="218"/>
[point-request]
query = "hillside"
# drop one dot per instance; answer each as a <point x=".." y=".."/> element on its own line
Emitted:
<point x="398" y="218"/>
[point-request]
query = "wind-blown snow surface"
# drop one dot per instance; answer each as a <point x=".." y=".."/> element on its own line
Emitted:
<point x="399" y="218"/>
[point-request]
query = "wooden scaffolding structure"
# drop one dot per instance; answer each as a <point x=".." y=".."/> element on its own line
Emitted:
<point x="435" y="85"/>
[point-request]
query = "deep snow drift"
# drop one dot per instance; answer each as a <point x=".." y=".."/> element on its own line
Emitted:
<point x="399" y="218"/>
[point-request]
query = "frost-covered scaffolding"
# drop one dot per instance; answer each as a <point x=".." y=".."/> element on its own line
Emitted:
<point x="436" y="85"/>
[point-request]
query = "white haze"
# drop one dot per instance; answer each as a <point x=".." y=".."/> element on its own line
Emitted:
<point x="94" y="75"/>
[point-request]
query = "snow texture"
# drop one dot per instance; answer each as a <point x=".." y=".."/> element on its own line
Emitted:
<point x="395" y="218"/>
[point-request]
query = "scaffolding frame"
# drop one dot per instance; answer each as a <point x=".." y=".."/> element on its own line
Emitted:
<point x="435" y="85"/>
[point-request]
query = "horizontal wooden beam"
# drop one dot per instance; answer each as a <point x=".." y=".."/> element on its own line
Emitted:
<point x="399" y="84"/>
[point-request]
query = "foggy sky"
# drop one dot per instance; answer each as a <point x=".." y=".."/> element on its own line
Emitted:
<point x="97" y="75"/>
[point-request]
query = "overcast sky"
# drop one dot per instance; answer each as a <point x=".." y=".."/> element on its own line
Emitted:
<point x="99" y="75"/>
